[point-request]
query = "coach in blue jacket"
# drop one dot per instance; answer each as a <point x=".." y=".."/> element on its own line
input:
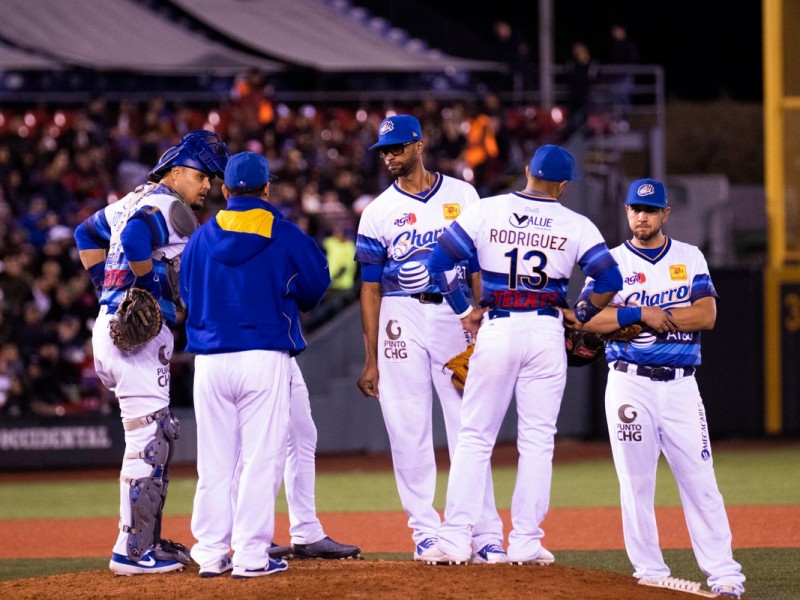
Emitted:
<point x="246" y="275"/>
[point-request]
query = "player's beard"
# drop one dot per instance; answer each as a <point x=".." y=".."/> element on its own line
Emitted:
<point x="645" y="235"/>
<point x="401" y="169"/>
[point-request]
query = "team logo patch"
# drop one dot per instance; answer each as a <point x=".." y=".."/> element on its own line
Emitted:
<point x="406" y="219"/>
<point x="648" y="189"/>
<point x="394" y="348"/>
<point x="635" y="278"/>
<point x="627" y="429"/>
<point x="386" y="127"/>
<point x="451" y="211"/>
<point x="413" y="277"/>
<point x="677" y="272"/>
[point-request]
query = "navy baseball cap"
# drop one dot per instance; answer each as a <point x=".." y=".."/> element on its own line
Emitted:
<point x="246" y="170"/>
<point x="398" y="129"/>
<point x="553" y="163"/>
<point x="648" y="192"/>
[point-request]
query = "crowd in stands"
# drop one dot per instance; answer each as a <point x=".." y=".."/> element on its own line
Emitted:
<point x="60" y="163"/>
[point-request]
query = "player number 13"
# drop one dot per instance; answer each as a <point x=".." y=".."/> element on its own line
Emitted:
<point x="536" y="280"/>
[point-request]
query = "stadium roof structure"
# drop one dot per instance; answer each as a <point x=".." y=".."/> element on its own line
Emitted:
<point x="14" y="59"/>
<point x="114" y="36"/>
<point x="326" y="35"/>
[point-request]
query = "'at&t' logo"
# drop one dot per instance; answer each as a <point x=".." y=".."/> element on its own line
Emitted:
<point x="394" y="347"/>
<point x="635" y="278"/>
<point x="406" y="219"/>
<point x="627" y="430"/>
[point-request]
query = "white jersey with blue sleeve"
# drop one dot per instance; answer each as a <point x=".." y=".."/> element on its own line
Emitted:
<point x="527" y="247"/>
<point x="676" y="276"/>
<point x="399" y="231"/>
<point x="152" y="203"/>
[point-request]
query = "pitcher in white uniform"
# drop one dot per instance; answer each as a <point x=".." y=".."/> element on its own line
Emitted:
<point x="527" y="245"/>
<point x="653" y="404"/>
<point x="410" y="332"/>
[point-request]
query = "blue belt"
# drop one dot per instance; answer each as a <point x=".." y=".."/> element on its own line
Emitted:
<point x="654" y="373"/>
<point x="499" y="313"/>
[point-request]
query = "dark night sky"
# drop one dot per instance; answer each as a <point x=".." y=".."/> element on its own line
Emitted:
<point x="708" y="48"/>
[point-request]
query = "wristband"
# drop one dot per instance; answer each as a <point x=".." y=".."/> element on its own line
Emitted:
<point x="585" y="310"/>
<point x="150" y="282"/>
<point x="629" y="315"/>
<point x="466" y="313"/>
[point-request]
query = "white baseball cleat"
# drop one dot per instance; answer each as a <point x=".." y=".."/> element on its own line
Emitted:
<point x="544" y="557"/>
<point x="490" y="554"/>
<point x="680" y="585"/>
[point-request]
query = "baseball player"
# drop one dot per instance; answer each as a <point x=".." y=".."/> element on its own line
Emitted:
<point x="246" y="275"/>
<point x="527" y="245"/>
<point x="652" y="400"/>
<point x="308" y="539"/>
<point x="137" y="242"/>
<point x="410" y="332"/>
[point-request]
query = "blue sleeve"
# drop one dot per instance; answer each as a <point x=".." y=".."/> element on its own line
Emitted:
<point x="452" y="246"/>
<point x="312" y="277"/>
<point x="371" y="273"/>
<point x="94" y="233"/>
<point x="599" y="264"/>
<point x="146" y="229"/>
<point x="702" y="287"/>
<point x="370" y="251"/>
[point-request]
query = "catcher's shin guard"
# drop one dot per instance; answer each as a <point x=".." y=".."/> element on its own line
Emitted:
<point x="148" y="494"/>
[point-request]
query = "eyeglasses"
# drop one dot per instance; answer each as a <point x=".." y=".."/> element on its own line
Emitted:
<point x="395" y="150"/>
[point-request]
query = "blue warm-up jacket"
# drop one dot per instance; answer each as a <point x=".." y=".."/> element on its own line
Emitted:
<point x="245" y="276"/>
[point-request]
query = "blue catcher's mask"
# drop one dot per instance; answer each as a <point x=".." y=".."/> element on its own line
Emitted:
<point x="201" y="150"/>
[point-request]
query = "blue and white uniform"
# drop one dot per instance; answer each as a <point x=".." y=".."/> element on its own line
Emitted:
<point x="245" y="277"/>
<point x="418" y="333"/>
<point x="527" y="246"/>
<point x="653" y="405"/>
<point x="137" y="225"/>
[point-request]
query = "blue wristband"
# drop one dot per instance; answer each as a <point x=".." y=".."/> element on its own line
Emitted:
<point x="629" y="315"/>
<point x="150" y="282"/>
<point x="585" y="310"/>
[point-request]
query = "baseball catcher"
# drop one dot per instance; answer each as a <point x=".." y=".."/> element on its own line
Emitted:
<point x="137" y="320"/>
<point x="459" y="365"/>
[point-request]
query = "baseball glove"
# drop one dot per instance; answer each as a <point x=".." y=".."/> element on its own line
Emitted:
<point x="623" y="334"/>
<point x="582" y="347"/>
<point x="137" y="320"/>
<point x="459" y="365"/>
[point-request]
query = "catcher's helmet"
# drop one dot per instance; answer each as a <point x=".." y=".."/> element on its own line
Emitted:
<point x="202" y="150"/>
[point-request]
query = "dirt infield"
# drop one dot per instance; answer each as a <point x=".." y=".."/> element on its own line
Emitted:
<point x="376" y="532"/>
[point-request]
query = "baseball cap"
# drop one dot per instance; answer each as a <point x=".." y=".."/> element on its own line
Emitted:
<point x="398" y="129"/>
<point x="246" y="170"/>
<point x="648" y="192"/>
<point x="553" y="163"/>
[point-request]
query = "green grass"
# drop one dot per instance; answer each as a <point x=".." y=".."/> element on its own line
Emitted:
<point x="756" y="477"/>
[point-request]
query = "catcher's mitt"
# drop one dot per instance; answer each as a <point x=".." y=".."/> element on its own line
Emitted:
<point x="137" y="320"/>
<point x="459" y="365"/>
<point x="623" y="334"/>
<point x="583" y="348"/>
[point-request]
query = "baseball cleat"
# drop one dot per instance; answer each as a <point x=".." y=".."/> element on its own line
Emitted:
<point x="223" y="565"/>
<point x="148" y="564"/>
<point x="681" y="585"/>
<point x="325" y="548"/>
<point x="544" y="557"/>
<point x="435" y="556"/>
<point x="276" y="551"/>
<point x="272" y="567"/>
<point x="490" y="554"/>
<point x="728" y="591"/>
<point x="425" y="546"/>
